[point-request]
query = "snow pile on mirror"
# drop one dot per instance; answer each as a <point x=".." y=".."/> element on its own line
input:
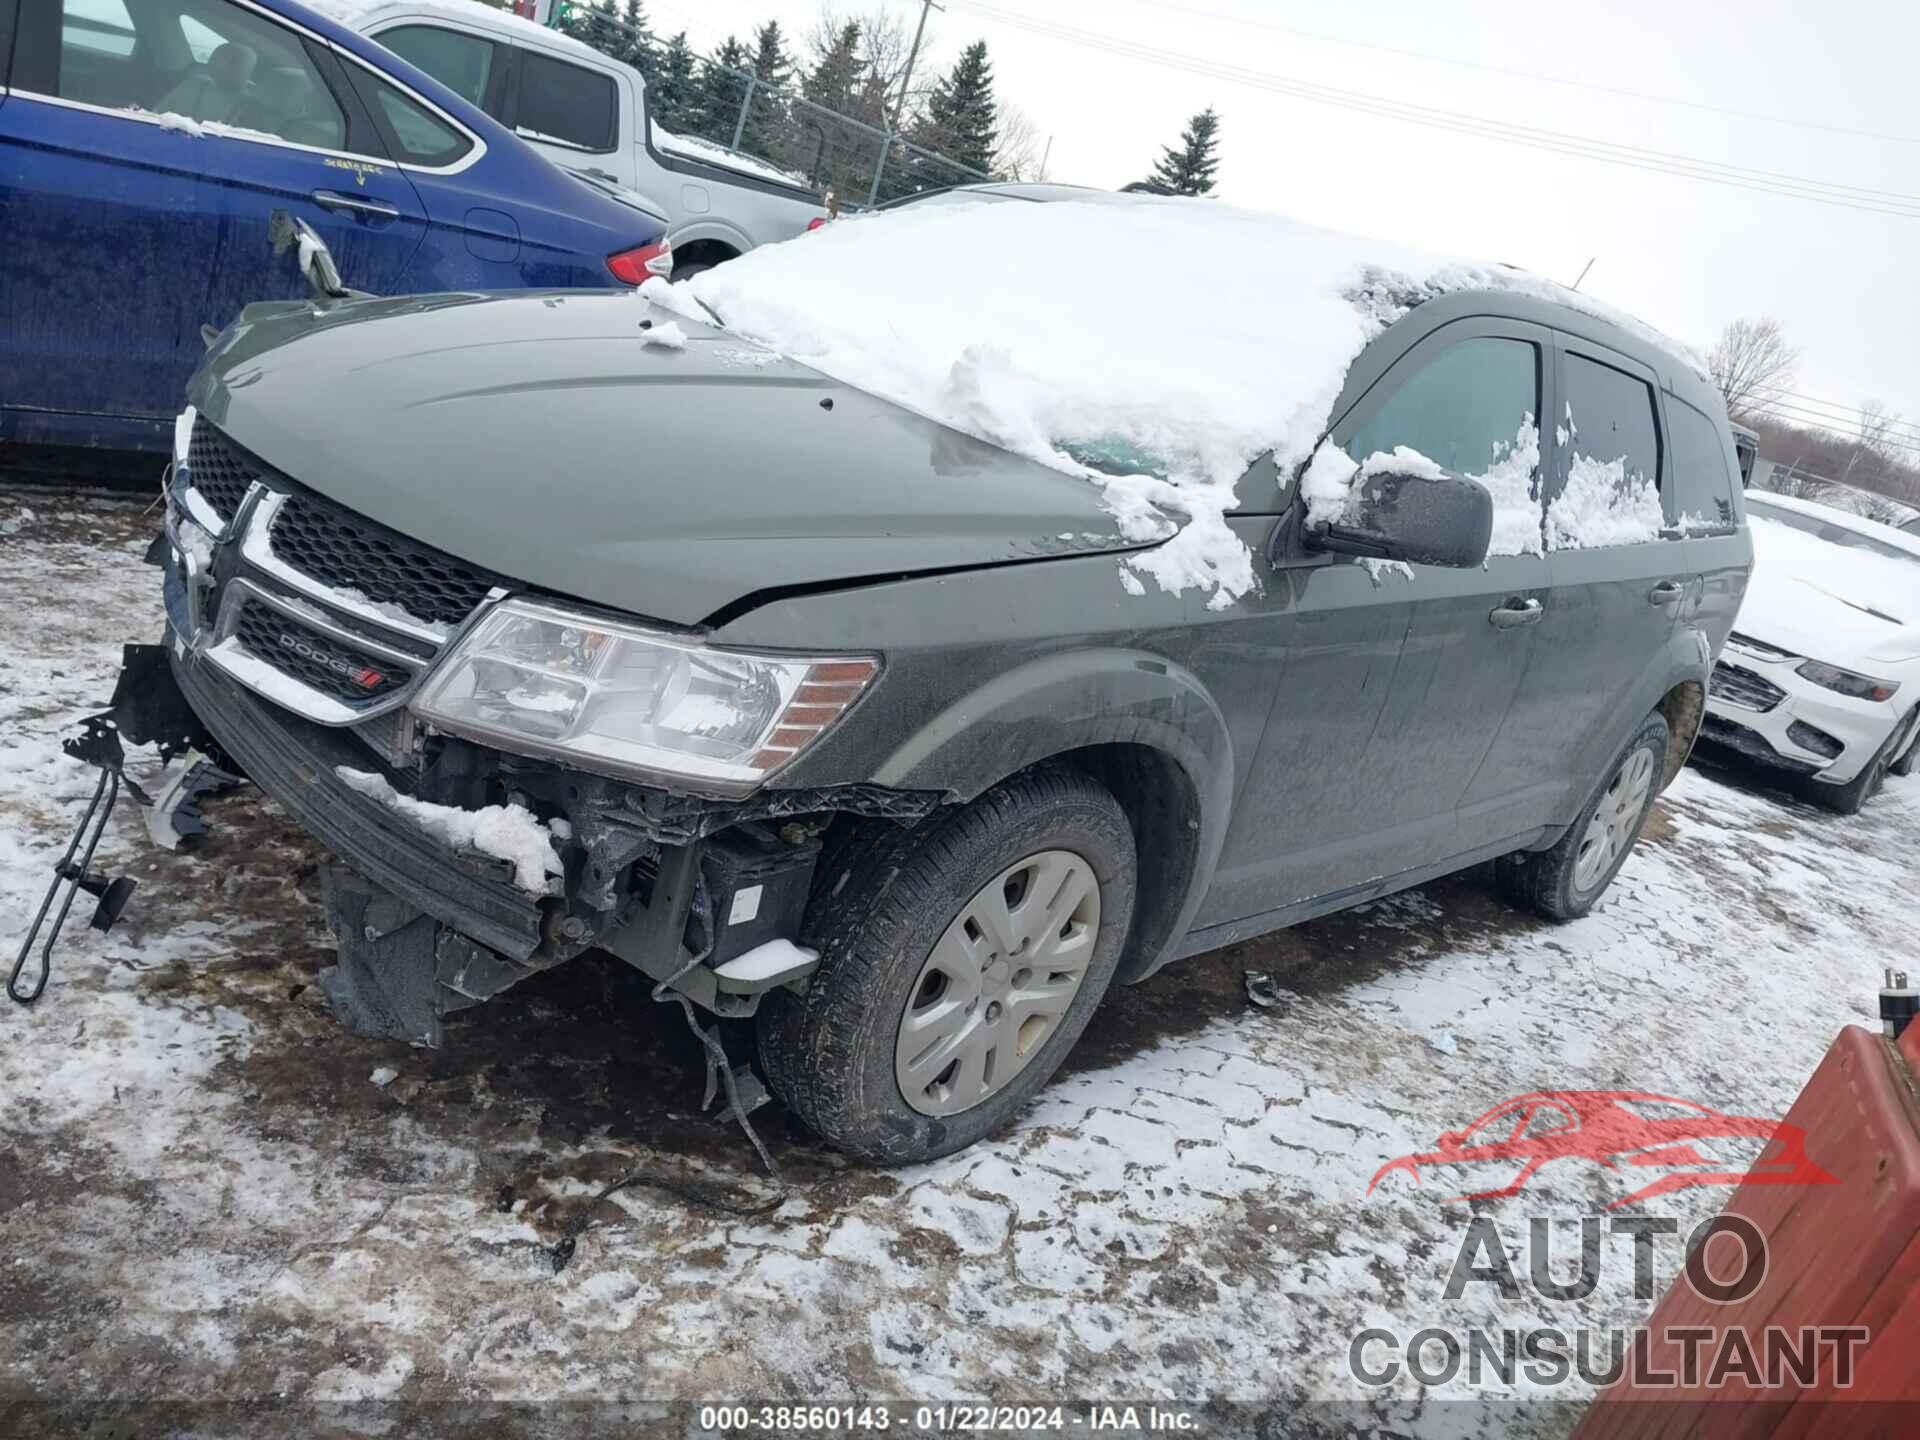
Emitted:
<point x="1190" y="332"/>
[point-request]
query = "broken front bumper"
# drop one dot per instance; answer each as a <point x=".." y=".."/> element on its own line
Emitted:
<point x="294" y="762"/>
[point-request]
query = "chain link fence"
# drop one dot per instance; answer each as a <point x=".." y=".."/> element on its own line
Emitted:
<point x="703" y="104"/>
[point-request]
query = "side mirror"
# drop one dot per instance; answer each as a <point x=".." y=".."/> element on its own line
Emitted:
<point x="1424" y="520"/>
<point x="289" y="232"/>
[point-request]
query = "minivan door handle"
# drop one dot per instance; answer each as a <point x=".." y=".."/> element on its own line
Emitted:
<point x="1517" y="612"/>
<point x="375" y="209"/>
<point x="1667" y="592"/>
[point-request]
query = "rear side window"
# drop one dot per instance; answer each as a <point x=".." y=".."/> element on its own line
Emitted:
<point x="566" y="103"/>
<point x="1607" y="491"/>
<point x="462" y="63"/>
<point x="1702" y="491"/>
<point x="419" y="136"/>
<point x="220" y="65"/>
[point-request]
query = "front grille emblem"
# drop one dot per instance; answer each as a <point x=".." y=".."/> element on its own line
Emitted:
<point x="365" y="676"/>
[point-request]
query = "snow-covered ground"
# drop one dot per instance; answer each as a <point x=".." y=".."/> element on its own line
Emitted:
<point x="211" y="1193"/>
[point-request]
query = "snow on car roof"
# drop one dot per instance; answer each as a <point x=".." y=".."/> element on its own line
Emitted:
<point x="1188" y="334"/>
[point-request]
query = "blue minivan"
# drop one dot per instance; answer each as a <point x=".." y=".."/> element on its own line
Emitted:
<point x="145" y="146"/>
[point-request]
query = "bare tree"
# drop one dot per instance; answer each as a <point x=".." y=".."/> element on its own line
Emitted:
<point x="1022" y="150"/>
<point x="1751" y="362"/>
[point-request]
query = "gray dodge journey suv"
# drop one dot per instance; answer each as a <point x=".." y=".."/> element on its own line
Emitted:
<point x="830" y="718"/>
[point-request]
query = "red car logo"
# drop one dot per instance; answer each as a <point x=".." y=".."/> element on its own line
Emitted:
<point x="1620" y="1129"/>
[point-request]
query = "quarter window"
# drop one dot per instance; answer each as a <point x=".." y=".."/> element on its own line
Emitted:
<point x="219" y="65"/>
<point x="1703" y="486"/>
<point x="462" y="63"/>
<point x="420" y="137"/>
<point x="566" y="103"/>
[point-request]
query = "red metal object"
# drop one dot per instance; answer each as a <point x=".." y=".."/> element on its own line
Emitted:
<point x="1846" y="1254"/>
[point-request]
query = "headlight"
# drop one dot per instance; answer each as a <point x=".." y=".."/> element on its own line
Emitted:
<point x="1860" y="687"/>
<point x="615" y="698"/>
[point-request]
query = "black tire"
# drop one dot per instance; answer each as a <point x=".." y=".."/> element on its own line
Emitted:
<point x="1545" y="881"/>
<point x="1851" y="798"/>
<point x="1904" y="762"/>
<point x="687" y="271"/>
<point x="882" y="900"/>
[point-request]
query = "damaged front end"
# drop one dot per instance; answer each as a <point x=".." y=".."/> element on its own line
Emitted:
<point x="302" y="636"/>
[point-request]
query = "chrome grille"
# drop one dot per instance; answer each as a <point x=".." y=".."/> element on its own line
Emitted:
<point x="1739" y="686"/>
<point x="218" y="469"/>
<point x="344" y="551"/>
<point x="350" y="615"/>
<point x="315" y="660"/>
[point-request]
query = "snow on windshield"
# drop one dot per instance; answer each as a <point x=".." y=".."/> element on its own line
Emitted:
<point x="1190" y="332"/>
<point x="1809" y="573"/>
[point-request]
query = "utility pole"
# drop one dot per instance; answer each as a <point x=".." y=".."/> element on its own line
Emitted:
<point x="913" y="54"/>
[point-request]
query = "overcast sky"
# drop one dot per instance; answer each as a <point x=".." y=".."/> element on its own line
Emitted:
<point x="1686" y="255"/>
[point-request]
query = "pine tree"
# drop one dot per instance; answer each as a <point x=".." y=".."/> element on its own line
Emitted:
<point x="718" y="92"/>
<point x="835" y="78"/>
<point x="962" y="120"/>
<point x="674" y="97"/>
<point x="772" y="67"/>
<point x="1188" y="170"/>
<point x="831" y="153"/>
<point x="596" y="25"/>
<point x="636" y="40"/>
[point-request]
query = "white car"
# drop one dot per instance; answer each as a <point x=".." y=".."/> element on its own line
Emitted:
<point x="1821" y="675"/>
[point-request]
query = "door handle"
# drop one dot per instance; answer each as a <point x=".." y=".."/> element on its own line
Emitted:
<point x="1667" y="592"/>
<point x="1517" y="612"/>
<point x="334" y="200"/>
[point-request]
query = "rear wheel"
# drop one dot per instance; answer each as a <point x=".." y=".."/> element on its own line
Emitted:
<point x="959" y="963"/>
<point x="1565" y="881"/>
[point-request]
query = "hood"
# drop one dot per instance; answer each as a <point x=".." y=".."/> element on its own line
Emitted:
<point x="542" y="436"/>
<point x="1823" y="601"/>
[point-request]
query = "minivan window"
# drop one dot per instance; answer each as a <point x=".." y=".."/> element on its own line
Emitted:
<point x="422" y="137"/>
<point x="566" y="103"/>
<point x="1703" y="484"/>
<point x="462" y="63"/>
<point x="221" y="65"/>
<point x="1460" y="409"/>
<point x="1608" y="416"/>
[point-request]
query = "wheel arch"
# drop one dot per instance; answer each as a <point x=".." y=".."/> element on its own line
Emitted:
<point x="1683" y="706"/>
<point x="1143" y="726"/>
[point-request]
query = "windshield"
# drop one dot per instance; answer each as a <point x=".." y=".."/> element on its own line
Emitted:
<point x="1873" y="576"/>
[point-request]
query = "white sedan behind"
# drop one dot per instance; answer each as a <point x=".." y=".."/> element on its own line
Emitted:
<point x="1821" y="676"/>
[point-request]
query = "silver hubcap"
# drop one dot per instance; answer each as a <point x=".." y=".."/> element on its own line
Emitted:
<point x="997" y="983"/>
<point x="1616" y="820"/>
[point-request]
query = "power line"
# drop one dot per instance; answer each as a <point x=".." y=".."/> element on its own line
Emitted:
<point x="1536" y="75"/>
<point x="1848" y="414"/>
<point x="1852" y="197"/>
<point x="1789" y="415"/>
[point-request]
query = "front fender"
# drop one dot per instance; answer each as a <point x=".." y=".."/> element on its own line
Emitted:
<point x="1107" y="697"/>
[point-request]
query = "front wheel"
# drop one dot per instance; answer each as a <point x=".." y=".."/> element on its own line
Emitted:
<point x="959" y="962"/>
<point x="1850" y="798"/>
<point x="1565" y="881"/>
